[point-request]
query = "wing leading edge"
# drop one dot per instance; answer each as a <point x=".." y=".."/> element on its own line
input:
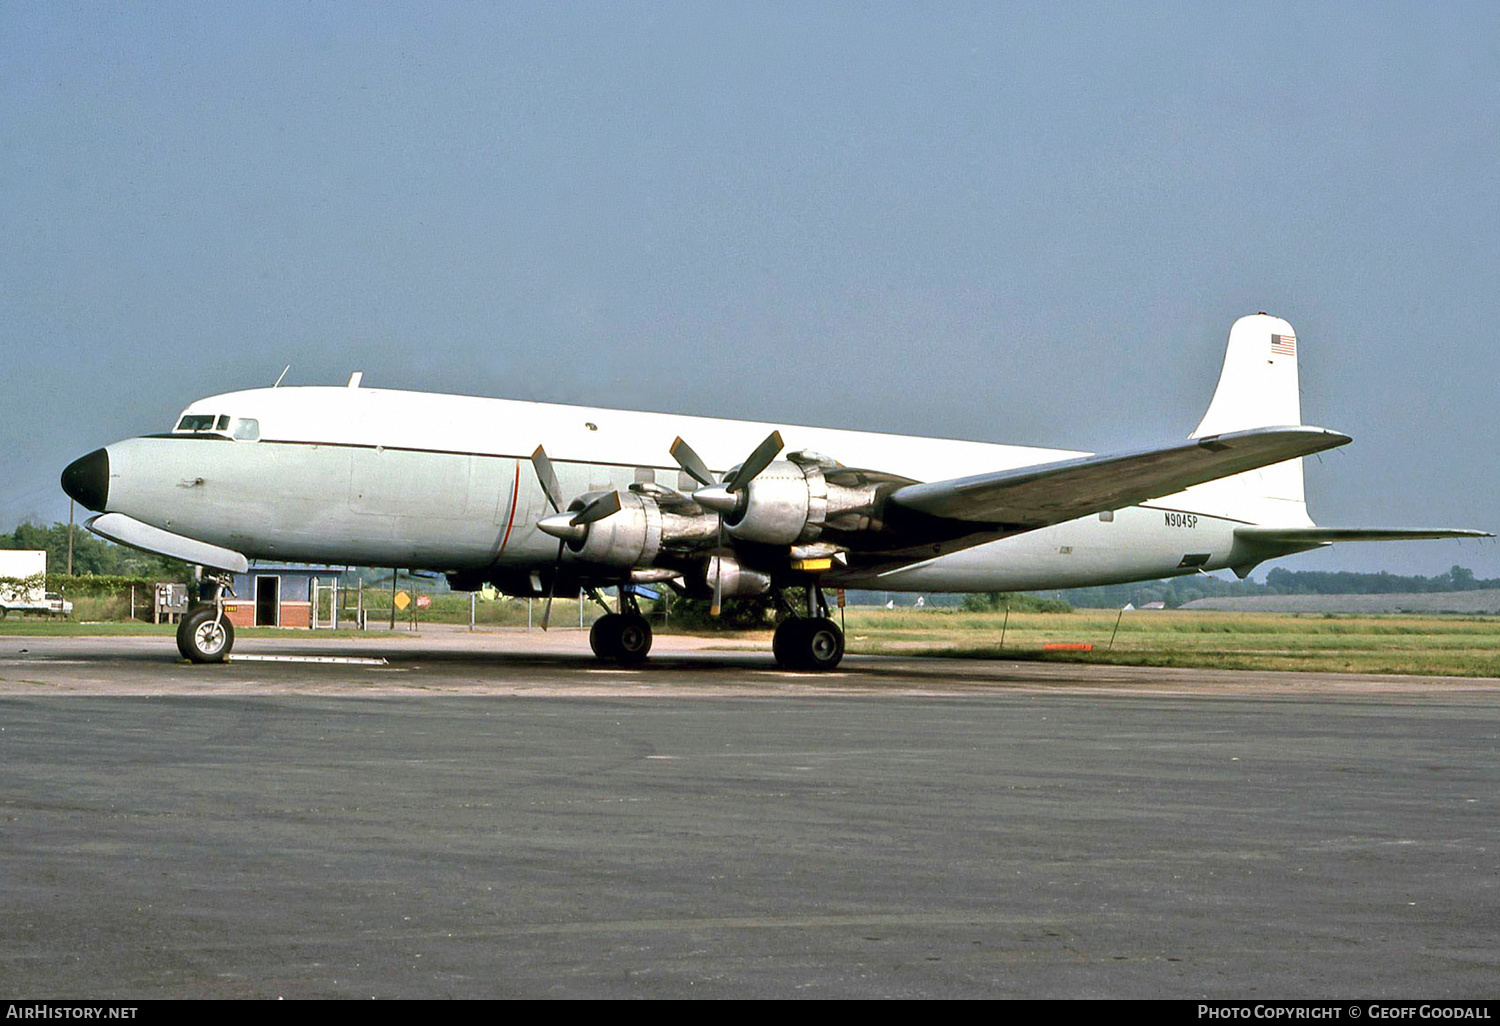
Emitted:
<point x="1031" y="497"/>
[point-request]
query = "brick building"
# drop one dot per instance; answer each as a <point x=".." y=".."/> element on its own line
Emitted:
<point x="278" y="596"/>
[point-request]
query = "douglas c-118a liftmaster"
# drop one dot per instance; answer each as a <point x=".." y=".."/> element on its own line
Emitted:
<point x="536" y="498"/>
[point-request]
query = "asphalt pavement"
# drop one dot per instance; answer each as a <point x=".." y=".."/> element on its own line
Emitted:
<point x="515" y="821"/>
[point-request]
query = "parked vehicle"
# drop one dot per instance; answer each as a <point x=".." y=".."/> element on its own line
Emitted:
<point x="23" y="573"/>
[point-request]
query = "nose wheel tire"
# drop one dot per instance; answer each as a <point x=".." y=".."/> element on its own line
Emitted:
<point x="203" y="636"/>
<point x="623" y="638"/>
<point x="808" y="643"/>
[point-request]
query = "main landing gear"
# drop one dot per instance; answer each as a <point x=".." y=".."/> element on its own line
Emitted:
<point x="811" y="642"/>
<point x="623" y="637"/>
<point x="204" y="634"/>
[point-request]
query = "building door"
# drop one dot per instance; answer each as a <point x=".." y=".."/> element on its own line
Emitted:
<point x="268" y="601"/>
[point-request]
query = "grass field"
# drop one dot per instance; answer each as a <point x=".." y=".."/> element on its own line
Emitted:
<point x="1440" y="645"/>
<point x="1467" y="646"/>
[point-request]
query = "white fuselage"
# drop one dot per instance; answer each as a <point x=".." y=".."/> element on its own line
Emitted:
<point x="375" y="477"/>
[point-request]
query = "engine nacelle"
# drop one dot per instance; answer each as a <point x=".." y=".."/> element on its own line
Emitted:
<point x="792" y="501"/>
<point x="635" y="535"/>
<point x="784" y="504"/>
<point x="737" y="582"/>
<point x="629" y="537"/>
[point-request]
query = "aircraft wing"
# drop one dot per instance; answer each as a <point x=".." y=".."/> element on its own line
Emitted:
<point x="1030" y="497"/>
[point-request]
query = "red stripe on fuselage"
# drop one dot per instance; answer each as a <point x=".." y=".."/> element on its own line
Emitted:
<point x="515" y="491"/>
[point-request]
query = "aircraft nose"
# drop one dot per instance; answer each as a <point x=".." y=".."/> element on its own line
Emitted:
<point x="86" y="480"/>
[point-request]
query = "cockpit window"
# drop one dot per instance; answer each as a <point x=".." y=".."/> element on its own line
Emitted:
<point x="219" y="425"/>
<point x="196" y="422"/>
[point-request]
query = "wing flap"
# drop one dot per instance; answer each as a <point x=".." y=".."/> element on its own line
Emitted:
<point x="1031" y="497"/>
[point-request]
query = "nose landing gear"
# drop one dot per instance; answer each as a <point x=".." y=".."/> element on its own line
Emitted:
<point x="205" y="634"/>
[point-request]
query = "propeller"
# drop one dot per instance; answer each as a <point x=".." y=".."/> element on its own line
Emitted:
<point x="567" y="525"/>
<point x="723" y="497"/>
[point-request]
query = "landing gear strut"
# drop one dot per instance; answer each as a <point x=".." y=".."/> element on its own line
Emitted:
<point x="811" y="642"/>
<point x="623" y="637"/>
<point x="205" y="634"/>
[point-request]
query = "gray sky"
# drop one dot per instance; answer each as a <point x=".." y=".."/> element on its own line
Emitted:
<point x="1013" y="222"/>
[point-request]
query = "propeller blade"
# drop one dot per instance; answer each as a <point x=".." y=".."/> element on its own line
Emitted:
<point x="552" y="585"/>
<point x="759" y="460"/>
<point x="548" y="477"/>
<point x="691" y="462"/>
<point x="604" y="506"/>
<point x="715" y="609"/>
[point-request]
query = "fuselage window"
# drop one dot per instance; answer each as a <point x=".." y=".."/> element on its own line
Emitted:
<point x="247" y="429"/>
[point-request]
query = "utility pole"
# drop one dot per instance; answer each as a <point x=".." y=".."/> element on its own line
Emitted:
<point x="70" y="537"/>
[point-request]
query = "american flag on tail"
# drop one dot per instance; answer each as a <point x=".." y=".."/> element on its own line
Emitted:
<point x="1284" y="345"/>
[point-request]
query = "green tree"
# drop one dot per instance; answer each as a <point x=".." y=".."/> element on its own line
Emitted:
<point x="1463" y="579"/>
<point x="996" y="601"/>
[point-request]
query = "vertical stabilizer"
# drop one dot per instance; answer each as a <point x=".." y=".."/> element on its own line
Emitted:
<point x="1257" y="388"/>
<point x="1258" y="385"/>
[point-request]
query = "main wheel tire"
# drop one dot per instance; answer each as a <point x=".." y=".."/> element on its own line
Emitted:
<point x="632" y="639"/>
<point x="205" y="637"/>
<point x="604" y="636"/>
<point x="824" y="645"/>
<point x="808" y="643"/>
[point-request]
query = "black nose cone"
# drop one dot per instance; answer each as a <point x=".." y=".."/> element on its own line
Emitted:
<point x="86" y="480"/>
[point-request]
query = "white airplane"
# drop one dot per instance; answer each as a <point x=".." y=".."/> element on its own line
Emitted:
<point x="534" y="498"/>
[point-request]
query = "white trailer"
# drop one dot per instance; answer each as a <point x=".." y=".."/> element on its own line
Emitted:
<point x="23" y="574"/>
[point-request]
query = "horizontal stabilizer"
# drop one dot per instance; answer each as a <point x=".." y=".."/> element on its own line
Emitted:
<point x="1031" y="497"/>
<point x="1318" y="535"/>
<point x="117" y="527"/>
<point x="1255" y="545"/>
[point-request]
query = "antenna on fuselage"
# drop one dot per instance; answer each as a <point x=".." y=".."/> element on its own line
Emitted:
<point x="281" y="375"/>
<point x="355" y="378"/>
